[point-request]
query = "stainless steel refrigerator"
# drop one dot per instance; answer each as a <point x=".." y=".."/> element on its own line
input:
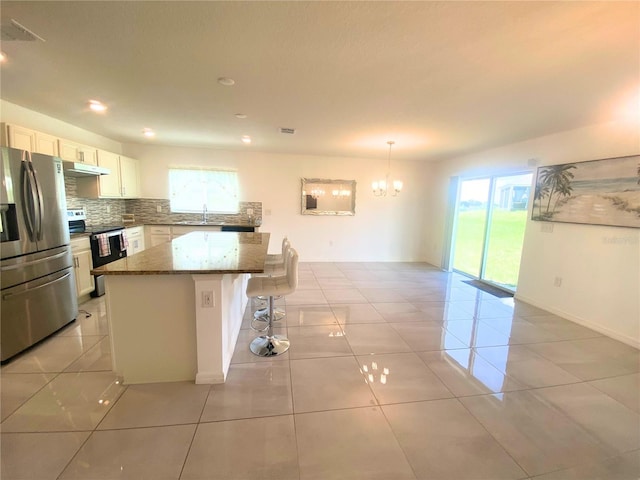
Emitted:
<point x="37" y="280"/>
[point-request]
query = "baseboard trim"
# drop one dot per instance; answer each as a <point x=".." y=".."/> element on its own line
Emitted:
<point x="209" y="378"/>
<point x="633" y="342"/>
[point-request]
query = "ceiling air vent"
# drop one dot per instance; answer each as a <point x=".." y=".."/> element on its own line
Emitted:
<point x="289" y="131"/>
<point x="12" y="31"/>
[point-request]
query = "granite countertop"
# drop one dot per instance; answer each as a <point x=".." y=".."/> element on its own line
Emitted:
<point x="196" y="253"/>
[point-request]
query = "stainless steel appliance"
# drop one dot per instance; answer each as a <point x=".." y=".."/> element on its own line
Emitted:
<point x="77" y="169"/>
<point x="112" y="237"/>
<point x="37" y="281"/>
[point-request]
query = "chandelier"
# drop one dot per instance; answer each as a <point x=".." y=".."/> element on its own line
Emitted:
<point x="381" y="187"/>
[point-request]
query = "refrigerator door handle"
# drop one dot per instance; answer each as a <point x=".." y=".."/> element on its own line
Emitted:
<point x="10" y="295"/>
<point x="28" y="203"/>
<point x="38" y="197"/>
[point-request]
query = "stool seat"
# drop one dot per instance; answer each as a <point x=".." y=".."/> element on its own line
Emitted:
<point x="274" y="258"/>
<point x="273" y="267"/>
<point x="268" y="286"/>
<point x="279" y="258"/>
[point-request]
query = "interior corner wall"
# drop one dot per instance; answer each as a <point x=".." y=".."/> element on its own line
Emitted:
<point x="599" y="266"/>
<point x="383" y="229"/>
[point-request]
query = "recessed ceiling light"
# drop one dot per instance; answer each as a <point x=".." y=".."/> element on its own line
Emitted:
<point x="97" y="106"/>
<point x="147" y="132"/>
<point x="241" y="115"/>
<point x="226" y="81"/>
<point x="246" y="139"/>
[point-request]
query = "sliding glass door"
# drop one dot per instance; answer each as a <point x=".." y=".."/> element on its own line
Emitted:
<point x="471" y="221"/>
<point x="491" y="214"/>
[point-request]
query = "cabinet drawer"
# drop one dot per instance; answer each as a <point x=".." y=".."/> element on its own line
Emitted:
<point x="156" y="230"/>
<point x="134" y="232"/>
<point x="80" y="243"/>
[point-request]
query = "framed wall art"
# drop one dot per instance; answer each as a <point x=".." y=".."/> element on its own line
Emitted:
<point x="597" y="192"/>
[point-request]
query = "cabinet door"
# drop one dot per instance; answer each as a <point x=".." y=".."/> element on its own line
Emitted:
<point x="22" y="138"/>
<point x="109" y="184"/>
<point x="69" y="150"/>
<point x="129" y="177"/>
<point x="46" y="144"/>
<point x="158" y="239"/>
<point x="88" y="155"/>
<point x="135" y="236"/>
<point x="84" y="280"/>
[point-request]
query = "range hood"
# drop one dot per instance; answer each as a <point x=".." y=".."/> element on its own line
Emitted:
<point x="77" y="169"/>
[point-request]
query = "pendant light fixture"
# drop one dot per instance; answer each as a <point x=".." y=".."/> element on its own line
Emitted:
<point x="381" y="187"/>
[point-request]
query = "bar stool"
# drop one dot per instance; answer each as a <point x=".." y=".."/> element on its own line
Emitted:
<point x="279" y="258"/>
<point x="276" y="267"/>
<point x="270" y="345"/>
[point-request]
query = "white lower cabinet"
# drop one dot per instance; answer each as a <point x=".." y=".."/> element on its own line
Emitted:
<point x="82" y="264"/>
<point x="178" y="231"/>
<point x="135" y="237"/>
<point x="157" y="234"/>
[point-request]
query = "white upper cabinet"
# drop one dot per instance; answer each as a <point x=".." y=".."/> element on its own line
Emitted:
<point x="46" y="144"/>
<point x="129" y="177"/>
<point x="75" y="152"/>
<point x="110" y="185"/>
<point x="30" y="140"/>
<point x="122" y="182"/>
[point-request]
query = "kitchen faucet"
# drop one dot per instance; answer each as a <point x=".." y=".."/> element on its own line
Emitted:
<point x="204" y="213"/>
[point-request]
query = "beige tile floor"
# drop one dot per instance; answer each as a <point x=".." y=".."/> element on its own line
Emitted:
<point x="396" y="371"/>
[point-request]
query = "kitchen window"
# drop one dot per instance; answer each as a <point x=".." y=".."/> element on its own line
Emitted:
<point x="193" y="188"/>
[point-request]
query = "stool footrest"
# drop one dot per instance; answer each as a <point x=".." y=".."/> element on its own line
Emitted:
<point x="262" y="315"/>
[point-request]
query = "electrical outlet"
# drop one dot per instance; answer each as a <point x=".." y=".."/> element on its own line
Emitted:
<point x="108" y="208"/>
<point x="249" y="211"/>
<point x="546" y="227"/>
<point x="159" y="208"/>
<point x="557" y="282"/>
<point x="207" y="299"/>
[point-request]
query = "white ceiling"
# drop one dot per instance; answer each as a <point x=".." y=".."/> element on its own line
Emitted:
<point x="439" y="78"/>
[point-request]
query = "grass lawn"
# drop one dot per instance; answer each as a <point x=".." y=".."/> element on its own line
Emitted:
<point x="505" y="244"/>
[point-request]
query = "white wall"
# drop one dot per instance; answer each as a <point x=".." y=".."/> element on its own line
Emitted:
<point x="383" y="229"/>
<point x="599" y="266"/>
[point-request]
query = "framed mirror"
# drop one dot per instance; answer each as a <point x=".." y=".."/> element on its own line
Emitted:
<point x="328" y="197"/>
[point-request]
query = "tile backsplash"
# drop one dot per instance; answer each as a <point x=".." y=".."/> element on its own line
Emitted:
<point x="145" y="210"/>
<point x="103" y="211"/>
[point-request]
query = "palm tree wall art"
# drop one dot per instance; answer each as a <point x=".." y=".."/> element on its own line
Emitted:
<point x="597" y="192"/>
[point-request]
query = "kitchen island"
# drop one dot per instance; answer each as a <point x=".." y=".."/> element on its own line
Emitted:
<point x="175" y="309"/>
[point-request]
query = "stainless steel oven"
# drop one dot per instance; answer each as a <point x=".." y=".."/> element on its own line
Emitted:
<point x="107" y="246"/>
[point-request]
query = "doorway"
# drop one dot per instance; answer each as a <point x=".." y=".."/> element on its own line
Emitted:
<point x="488" y="233"/>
